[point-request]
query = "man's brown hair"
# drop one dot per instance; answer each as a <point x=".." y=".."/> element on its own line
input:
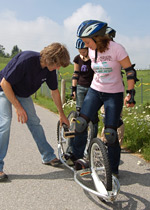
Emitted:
<point x="55" y="53"/>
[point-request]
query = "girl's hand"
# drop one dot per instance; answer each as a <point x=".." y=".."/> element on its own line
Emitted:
<point x="127" y="98"/>
<point x="74" y="96"/>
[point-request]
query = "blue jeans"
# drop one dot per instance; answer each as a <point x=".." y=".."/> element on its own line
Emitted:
<point x="81" y="93"/>
<point x="113" y="103"/>
<point x="33" y="124"/>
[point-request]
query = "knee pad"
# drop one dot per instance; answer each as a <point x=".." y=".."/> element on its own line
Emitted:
<point x="81" y="124"/>
<point x="110" y="135"/>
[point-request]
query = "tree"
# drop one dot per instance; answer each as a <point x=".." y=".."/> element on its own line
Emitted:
<point x="2" y="49"/>
<point x="15" y="51"/>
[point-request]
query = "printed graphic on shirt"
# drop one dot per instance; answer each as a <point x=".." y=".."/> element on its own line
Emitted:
<point x="105" y="58"/>
<point x="102" y="71"/>
<point x="102" y="67"/>
<point x="84" y="68"/>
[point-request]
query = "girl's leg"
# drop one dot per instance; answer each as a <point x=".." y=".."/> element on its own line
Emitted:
<point x="113" y="106"/>
<point x="81" y="93"/>
<point x="91" y="105"/>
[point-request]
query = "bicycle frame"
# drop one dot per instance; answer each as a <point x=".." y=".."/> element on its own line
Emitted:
<point x="100" y="191"/>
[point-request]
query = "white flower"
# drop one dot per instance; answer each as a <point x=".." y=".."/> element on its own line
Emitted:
<point x="139" y="163"/>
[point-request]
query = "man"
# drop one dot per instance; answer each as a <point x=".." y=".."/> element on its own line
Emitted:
<point x="21" y="78"/>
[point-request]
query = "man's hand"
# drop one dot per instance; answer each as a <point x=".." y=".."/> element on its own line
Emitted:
<point x="21" y="114"/>
<point x="56" y="98"/>
<point x="63" y="119"/>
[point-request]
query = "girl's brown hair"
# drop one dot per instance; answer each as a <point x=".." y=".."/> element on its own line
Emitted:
<point x="102" y="43"/>
<point x="55" y="53"/>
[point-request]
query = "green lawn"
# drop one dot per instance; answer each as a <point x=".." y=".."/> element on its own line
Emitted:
<point x="142" y="87"/>
<point x="136" y="120"/>
<point x="3" y="62"/>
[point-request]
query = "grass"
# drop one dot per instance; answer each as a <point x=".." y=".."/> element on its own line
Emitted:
<point x="136" y="120"/>
<point x="142" y="87"/>
<point x="137" y="124"/>
<point x="137" y="130"/>
<point x="45" y="102"/>
<point x="3" y="62"/>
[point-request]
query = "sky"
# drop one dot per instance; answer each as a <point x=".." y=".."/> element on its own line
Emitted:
<point x="34" y="24"/>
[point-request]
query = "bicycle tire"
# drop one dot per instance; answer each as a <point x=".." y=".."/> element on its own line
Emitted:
<point x="90" y="135"/>
<point x="72" y="114"/>
<point x="61" y="140"/>
<point x="99" y="162"/>
<point x="58" y="130"/>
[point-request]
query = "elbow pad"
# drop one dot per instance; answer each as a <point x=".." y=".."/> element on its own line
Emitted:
<point x="131" y="73"/>
<point x="75" y="75"/>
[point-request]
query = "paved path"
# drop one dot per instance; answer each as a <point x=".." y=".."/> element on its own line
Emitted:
<point x="34" y="186"/>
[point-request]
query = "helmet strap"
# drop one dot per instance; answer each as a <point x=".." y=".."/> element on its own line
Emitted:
<point x="94" y="40"/>
<point x="95" y="55"/>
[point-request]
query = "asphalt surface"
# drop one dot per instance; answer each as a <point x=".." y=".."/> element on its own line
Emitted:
<point x="34" y="186"/>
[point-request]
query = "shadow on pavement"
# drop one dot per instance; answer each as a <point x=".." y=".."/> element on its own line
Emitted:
<point x="61" y="174"/>
<point x="125" y="201"/>
<point x="129" y="178"/>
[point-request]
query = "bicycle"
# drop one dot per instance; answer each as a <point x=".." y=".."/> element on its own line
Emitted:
<point x="106" y="185"/>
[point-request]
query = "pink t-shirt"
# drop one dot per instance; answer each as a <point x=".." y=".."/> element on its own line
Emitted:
<point x="107" y="70"/>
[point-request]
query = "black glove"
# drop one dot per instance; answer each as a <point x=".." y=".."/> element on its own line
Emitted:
<point x="132" y="93"/>
<point x="73" y="89"/>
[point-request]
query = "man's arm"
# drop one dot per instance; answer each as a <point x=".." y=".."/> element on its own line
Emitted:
<point x="6" y="86"/>
<point x="56" y="98"/>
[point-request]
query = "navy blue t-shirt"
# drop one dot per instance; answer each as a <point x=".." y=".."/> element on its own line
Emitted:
<point x="26" y="75"/>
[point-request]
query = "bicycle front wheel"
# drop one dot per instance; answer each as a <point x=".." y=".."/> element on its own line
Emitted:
<point x="90" y="135"/>
<point x="99" y="162"/>
<point x="61" y="140"/>
<point x="71" y="117"/>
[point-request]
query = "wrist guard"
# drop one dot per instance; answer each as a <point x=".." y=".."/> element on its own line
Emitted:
<point x="132" y="93"/>
<point x="131" y="73"/>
